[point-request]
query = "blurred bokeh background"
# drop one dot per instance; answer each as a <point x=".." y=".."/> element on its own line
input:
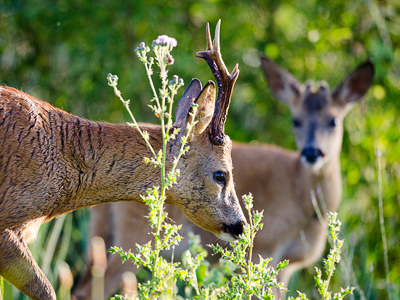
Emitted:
<point x="61" y="52"/>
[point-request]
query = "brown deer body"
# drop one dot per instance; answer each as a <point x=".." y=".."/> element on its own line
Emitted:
<point x="284" y="183"/>
<point x="52" y="162"/>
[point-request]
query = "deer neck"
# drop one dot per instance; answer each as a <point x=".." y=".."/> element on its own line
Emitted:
<point x="327" y="184"/>
<point x="107" y="164"/>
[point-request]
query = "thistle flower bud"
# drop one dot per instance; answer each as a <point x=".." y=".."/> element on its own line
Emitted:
<point x="175" y="80"/>
<point x="142" y="47"/>
<point x="164" y="40"/>
<point x="112" y="79"/>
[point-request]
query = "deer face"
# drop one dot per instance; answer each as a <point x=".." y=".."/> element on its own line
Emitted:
<point x="317" y="112"/>
<point x="205" y="191"/>
<point x="318" y="126"/>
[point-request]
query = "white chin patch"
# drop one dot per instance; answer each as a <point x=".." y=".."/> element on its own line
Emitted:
<point x="313" y="166"/>
<point x="227" y="237"/>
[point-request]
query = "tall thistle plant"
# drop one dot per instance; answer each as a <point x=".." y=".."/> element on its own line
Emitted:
<point x="165" y="235"/>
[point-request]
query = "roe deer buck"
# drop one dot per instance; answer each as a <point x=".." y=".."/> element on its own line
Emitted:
<point x="280" y="180"/>
<point x="52" y="162"/>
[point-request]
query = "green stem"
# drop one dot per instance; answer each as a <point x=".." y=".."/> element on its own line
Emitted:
<point x="162" y="196"/>
<point x="148" y="72"/>
<point x="126" y="105"/>
<point x="251" y="248"/>
<point x="1" y="287"/>
<point x="171" y="101"/>
<point x="382" y="221"/>
<point x="195" y="282"/>
<point x="184" y="140"/>
<point x="164" y="152"/>
<point x="331" y="268"/>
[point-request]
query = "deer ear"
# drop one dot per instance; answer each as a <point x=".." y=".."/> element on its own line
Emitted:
<point x="355" y="85"/>
<point x="185" y="103"/>
<point x="205" y="108"/>
<point x="205" y="100"/>
<point x="282" y="84"/>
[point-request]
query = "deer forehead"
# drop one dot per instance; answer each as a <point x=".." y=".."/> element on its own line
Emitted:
<point x="219" y="159"/>
<point x="207" y="155"/>
<point x="223" y="152"/>
<point x="316" y="97"/>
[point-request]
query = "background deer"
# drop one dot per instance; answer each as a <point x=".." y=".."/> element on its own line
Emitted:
<point x="284" y="183"/>
<point x="52" y="162"/>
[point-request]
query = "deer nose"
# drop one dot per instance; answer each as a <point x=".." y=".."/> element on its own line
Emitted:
<point x="235" y="229"/>
<point x="311" y="154"/>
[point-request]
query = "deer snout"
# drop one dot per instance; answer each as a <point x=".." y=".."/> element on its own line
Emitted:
<point x="311" y="154"/>
<point x="235" y="229"/>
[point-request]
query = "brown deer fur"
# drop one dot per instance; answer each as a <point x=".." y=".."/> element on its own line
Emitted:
<point x="280" y="180"/>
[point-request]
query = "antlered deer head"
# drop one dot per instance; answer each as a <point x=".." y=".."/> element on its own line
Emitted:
<point x="206" y="170"/>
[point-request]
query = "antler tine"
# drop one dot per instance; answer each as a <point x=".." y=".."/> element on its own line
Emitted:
<point x="235" y="71"/>
<point x="216" y="45"/>
<point x="225" y="82"/>
<point x="208" y="36"/>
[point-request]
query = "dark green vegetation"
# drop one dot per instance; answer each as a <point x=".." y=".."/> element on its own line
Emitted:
<point x="61" y="52"/>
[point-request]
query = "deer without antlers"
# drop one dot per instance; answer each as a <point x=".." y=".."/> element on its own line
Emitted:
<point x="52" y="162"/>
<point x="281" y="181"/>
<point x="297" y="190"/>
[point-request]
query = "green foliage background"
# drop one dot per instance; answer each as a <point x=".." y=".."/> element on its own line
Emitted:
<point x="61" y="52"/>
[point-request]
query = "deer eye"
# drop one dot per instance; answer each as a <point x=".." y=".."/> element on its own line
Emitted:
<point x="220" y="177"/>
<point x="296" y="123"/>
<point x="332" y="122"/>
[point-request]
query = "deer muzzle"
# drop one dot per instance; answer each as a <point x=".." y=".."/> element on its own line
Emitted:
<point x="311" y="155"/>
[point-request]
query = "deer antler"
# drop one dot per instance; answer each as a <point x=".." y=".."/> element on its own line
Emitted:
<point x="225" y="83"/>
